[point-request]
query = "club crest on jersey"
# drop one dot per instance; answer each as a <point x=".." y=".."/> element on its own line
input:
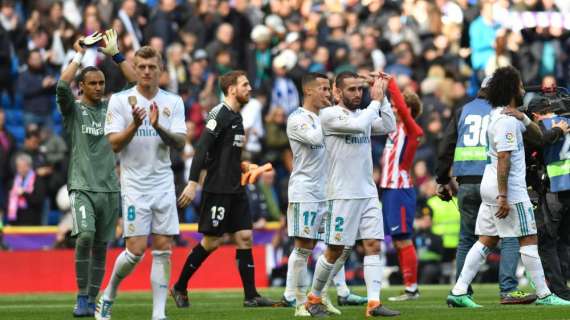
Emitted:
<point x="131" y="228"/>
<point x="306" y="230"/>
<point x="166" y="111"/>
<point x="510" y="137"/>
<point x="211" y="124"/>
<point x="338" y="237"/>
<point x="109" y="119"/>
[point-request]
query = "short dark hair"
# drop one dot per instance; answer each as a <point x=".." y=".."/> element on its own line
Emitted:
<point x="339" y="80"/>
<point x="85" y="71"/>
<point x="503" y="86"/>
<point x="312" y="77"/>
<point x="230" y="79"/>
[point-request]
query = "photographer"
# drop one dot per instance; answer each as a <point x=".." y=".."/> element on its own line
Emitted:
<point x="548" y="162"/>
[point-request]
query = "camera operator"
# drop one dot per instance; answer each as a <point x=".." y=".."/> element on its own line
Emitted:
<point x="549" y="175"/>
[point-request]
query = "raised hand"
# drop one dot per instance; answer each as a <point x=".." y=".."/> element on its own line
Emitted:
<point x="377" y="90"/>
<point x="91" y="40"/>
<point x="111" y="47"/>
<point x="154" y="115"/>
<point x="138" y="115"/>
<point x="77" y="45"/>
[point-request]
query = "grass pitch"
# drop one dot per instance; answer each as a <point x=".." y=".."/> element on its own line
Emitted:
<point x="228" y="305"/>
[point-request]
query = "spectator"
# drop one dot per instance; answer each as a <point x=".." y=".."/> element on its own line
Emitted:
<point x="7" y="149"/>
<point x="37" y="87"/>
<point x="223" y="42"/>
<point x="27" y="195"/>
<point x="177" y="69"/>
<point x="259" y="58"/>
<point x="284" y="92"/>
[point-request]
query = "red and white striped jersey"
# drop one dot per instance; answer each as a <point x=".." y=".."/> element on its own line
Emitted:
<point x="401" y="145"/>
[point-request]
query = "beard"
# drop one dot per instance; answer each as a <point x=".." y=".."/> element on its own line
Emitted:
<point x="243" y="99"/>
<point x="349" y="104"/>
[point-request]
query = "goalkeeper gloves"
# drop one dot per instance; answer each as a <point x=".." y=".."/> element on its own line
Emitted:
<point x="252" y="172"/>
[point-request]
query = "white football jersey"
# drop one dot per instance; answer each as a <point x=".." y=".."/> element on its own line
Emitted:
<point x="349" y="152"/>
<point x="504" y="133"/>
<point x="307" y="181"/>
<point x="145" y="160"/>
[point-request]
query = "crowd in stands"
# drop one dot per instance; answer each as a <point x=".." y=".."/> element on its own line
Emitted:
<point x="441" y="49"/>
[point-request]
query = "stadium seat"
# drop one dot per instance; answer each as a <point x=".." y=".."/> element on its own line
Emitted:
<point x="18" y="131"/>
<point x="14" y="117"/>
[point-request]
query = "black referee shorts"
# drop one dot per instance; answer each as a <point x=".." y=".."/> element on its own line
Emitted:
<point x="224" y="213"/>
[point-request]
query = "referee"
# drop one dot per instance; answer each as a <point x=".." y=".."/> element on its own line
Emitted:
<point x="224" y="207"/>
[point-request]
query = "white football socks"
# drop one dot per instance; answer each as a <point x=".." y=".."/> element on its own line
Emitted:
<point x="474" y="260"/>
<point x="159" y="280"/>
<point x="124" y="265"/>
<point x="323" y="271"/>
<point x="296" y="284"/>
<point x="339" y="277"/>
<point x="373" y="277"/>
<point x="531" y="261"/>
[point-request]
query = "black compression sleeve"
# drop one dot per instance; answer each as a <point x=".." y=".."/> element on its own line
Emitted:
<point x="204" y="144"/>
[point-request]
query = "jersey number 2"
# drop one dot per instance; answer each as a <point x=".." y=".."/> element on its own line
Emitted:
<point x="477" y="134"/>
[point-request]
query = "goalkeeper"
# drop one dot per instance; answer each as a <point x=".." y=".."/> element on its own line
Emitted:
<point x="92" y="183"/>
<point x="224" y="207"/>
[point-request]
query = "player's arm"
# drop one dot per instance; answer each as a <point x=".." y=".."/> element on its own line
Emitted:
<point x="506" y="142"/>
<point x="503" y="169"/>
<point x="300" y="128"/>
<point x="63" y="96"/>
<point x="445" y="157"/>
<point x="336" y="121"/>
<point x="213" y="129"/>
<point x="387" y="121"/>
<point x="531" y="130"/>
<point x="171" y="138"/>
<point x="412" y="128"/>
<point x="118" y="132"/>
<point x="111" y="49"/>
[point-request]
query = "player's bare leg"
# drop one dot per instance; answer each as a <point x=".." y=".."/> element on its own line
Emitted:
<point x="124" y="265"/>
<point x="373" y="278"/>
<point x="246" y="267"/>
<point x="197" y="256"/>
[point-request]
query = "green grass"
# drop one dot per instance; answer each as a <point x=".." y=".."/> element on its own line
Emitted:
<point x="227" y="305"/>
